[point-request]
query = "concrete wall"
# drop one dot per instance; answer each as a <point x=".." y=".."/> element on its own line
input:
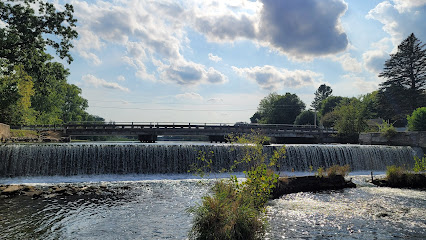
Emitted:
<point x="414" y="139"/>
<point x="4" y="132"/>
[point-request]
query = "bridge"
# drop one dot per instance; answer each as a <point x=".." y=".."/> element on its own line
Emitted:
<point x="216" y="132"/>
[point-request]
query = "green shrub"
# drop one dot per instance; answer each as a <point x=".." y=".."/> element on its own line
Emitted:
<point x="417" y="120"/>
<point x="419" y="164"/>
<point x="338" y="170"/>
<point x="228" y="213"/>
<point x="236" y="210"/>
<point x="320" y="172"/>
<point x="387" y="129"/>
<point x="395" y="175"/>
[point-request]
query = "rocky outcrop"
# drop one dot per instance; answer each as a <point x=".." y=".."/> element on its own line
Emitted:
<point x="310" y="184"/>
<point x="7" y="191"/>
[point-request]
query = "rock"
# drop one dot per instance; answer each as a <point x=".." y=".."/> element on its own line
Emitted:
<point x="310" y="184"/>
<point x="12" y="190"/>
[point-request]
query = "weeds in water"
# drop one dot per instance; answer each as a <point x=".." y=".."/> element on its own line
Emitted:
<point x="419" y="164"/>
<point x="338" y="170"/>
<point x="236" y="210"/>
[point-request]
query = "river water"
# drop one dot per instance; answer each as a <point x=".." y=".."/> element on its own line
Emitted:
<point x="155" y="208"/>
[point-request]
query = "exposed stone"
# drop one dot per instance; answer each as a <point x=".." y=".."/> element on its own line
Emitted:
<point x="12" y="189"/>
<point x="310" y="184"/>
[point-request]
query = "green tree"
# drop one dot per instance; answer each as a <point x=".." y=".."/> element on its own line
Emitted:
<point x="306" y="118"/>
<point x="405" y="80"/>
<point x="351" y="118"/>
<point x="321" y="94"/>
<point x="370" y="101"/>
<point x="28" y="29"/>
<point x="280" y="109"/>
<point x="16" y="91"/>
<point x="330" y="103"/>
<point x="417" y="120"/>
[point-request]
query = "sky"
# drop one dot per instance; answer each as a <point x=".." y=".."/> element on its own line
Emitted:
<point x="212" y="61"/>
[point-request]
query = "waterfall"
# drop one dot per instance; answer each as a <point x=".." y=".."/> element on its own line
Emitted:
<point x="100" y="158"/>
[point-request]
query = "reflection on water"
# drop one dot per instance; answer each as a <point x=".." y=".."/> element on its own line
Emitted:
<point x="156" y="209"/>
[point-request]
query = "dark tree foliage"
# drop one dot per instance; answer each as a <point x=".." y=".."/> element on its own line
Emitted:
<point x="405" y="81"/>
<point x="306" y="118"/>
<point x="321" y="94"/>
<point x="280" y="109"/>
<point x="417" y="120"/>
<point x="28" y="30"/>
<point x="330" y="103"/>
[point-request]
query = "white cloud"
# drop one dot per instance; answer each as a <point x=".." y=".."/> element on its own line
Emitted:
<point x="360" y="83"/>
<point x="98" y="82"/>
<point x="300" y="29"/>
<point x="121" y="78"/>
<point x="214" y="58"/>
<point x="215" y="100"/>
<point x="190" y="73"/>
<point x="400" y="24"/>
<point x="272" y="78"/>
<point x="407" y="5"/>
<point x="375" y="58"/>
<point x="348" y="63"/>
<point x="189" y="96"/>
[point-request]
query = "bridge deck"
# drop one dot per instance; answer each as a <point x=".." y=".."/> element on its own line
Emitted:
<point x="169" y="129"/>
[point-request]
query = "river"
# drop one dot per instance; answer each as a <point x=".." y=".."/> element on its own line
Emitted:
<point x="155" y="207"/>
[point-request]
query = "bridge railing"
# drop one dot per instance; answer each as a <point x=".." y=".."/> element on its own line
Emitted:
<point x="179" y="125"/>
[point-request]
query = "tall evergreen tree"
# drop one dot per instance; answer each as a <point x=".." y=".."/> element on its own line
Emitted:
<point x="321" y="94"/>
<point x="405" y="81"/>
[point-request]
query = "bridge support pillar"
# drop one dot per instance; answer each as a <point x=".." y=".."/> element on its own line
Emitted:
<point x="147" y="138"/>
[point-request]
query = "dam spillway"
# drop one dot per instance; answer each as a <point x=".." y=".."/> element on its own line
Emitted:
<point x="135" y="158"/>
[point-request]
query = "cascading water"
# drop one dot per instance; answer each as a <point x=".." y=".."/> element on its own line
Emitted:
<point x="79" y="159"/>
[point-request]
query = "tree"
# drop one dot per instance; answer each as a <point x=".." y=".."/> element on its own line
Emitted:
<point x="417" y="120"/>
<point x="16" y="91"/>
<point x="405" y="80"/>
<point x="280" y="109"/>
<point x="351" y="118"/>
<point x="321" y="94"/>
<point x="28" y="30"/>
<point x="330" y="103"/>
<point x="306" y="118"/>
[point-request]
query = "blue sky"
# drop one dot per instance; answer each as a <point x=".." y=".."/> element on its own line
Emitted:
<point x="213" y="61"/>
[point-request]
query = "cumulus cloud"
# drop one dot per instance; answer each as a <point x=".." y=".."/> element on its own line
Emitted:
<point x="303" y="28"/>
<point x="300" y="29"/>
<point x="214" y="58"/>
<point x="348" y="63"/>
<point x="190" y="73"/>
<point x="98" y="82"/>
<point x="395" y="21"/>
<point x="360" y="83"/>
<point x="189" y="96"/>
<point x="272" y="78"/>
<point x="407" y="5"/>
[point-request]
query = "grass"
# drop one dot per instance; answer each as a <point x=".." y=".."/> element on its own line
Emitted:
<point x="333" y="171"/>
<point x="227" y="214"/>
<point x="400" y="177"/>
<point x="23" y="133"/>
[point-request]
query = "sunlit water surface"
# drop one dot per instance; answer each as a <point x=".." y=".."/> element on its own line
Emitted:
<point x="155" y="208"/>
